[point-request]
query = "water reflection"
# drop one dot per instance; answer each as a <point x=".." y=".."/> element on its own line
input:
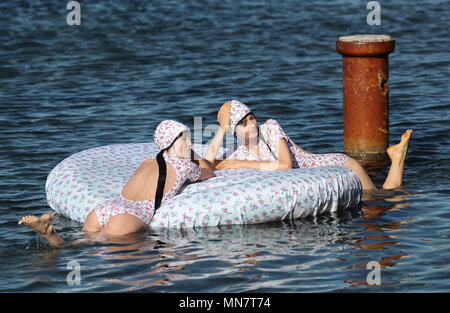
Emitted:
<point x="375" y="205"/>
<point x="271" y="256"/>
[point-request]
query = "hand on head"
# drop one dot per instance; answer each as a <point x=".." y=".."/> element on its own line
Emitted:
<point x="223" y="116"/>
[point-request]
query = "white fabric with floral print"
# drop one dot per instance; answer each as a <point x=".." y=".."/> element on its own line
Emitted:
<point x="89" y="179"/>
<point x="144" y="210"/>
<point x="270" y="134"/>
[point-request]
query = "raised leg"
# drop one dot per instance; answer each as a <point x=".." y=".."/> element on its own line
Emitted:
<point x="366" y="182"/>
<point x="397" y="153"/>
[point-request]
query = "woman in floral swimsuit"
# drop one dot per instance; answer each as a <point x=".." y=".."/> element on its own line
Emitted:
<point x="132" y="210"/>
<point x="269" y="148"/>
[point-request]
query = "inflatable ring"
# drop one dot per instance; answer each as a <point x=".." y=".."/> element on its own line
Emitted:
<point x="86" y="179"/>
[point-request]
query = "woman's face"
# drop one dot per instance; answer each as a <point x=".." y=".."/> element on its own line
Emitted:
<point x="248" y="128"/>
<point x="182" y="146"/>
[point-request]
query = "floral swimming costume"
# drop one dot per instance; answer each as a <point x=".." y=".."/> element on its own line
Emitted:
<point x="144" y="210"/>
<point x="270" y="133"/>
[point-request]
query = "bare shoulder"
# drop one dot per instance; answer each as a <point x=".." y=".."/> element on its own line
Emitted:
<point x="149" y="162"/>
<point x="151" y="166"/>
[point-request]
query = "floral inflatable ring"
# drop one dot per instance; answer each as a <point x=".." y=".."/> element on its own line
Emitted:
<point x="86" y="179"/>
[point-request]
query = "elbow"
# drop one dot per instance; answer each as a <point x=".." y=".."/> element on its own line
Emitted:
<point x="284" y="166"/>
<point x="206" y="164"/>
<point x="206" y="173"/>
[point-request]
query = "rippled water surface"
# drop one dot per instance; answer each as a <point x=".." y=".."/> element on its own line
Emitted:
<point x="131" y="64"/>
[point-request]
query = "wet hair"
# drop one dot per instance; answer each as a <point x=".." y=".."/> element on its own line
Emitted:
<point x="162" y="168"/>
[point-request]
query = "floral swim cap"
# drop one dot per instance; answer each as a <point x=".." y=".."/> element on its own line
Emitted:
<point x="167" y="132"/>
<point x="238" y="111"/>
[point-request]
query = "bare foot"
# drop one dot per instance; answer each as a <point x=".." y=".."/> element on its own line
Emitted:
<point x="42" y="225"/>
<point x="397" y="152"/>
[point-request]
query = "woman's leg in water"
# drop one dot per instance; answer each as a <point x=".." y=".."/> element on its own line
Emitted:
<point x="366" y="182"/>
<point x="397" y="153"/>
<point x="119" y="225"/>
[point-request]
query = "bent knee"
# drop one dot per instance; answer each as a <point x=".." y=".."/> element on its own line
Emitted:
<point x="123" y="224"/>
<point x="352" y="164"/>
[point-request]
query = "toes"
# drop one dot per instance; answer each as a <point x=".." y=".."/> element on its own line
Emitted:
<point x="26" y="220"/>
<point x="23" y="220"/>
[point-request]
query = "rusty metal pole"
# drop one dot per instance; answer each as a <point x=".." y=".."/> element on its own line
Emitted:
<point x="365" y="92"/>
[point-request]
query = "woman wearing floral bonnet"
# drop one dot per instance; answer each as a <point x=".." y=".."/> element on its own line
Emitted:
<point x="267" y="147"/>
<point x="154" y="181"/>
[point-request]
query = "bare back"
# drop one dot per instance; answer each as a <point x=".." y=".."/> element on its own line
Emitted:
<point x="142" y="185"/>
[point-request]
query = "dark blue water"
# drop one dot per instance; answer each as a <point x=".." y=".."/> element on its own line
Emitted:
<point x="131" y="64"/>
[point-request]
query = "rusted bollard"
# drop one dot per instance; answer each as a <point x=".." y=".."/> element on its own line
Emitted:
<point x="366" y="92"/>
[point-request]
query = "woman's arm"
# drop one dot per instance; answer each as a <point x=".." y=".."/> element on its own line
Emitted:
<point x="298" y="147"/>
<point x="205" y="166"/>
<point x="213" y="148"/>
<point x="284" y="161"/>
<point x="223" y="117"/>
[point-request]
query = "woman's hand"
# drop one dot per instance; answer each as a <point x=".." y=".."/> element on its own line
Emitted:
<point x="230" y="164"/>
<point x="223" y="116"/>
